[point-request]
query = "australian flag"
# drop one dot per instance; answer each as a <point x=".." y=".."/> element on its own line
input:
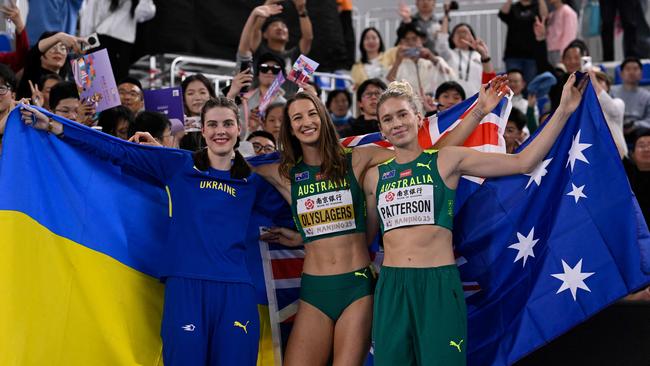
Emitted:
<point x="551" y="248"/>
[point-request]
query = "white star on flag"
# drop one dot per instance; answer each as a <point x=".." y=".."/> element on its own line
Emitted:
<point x="573" y="278"/>
<point x="575" y="152"/>
<point x="537" y="174"/>
<point x="525" y="246"/>
<point x="577" y="192"/>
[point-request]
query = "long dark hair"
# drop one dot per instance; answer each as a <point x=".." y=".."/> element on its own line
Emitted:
<point x="364" y="54"/>
<point x="333" y="156"/>
<point x="239" y="168"/>
<point x="116" y="4"/>
<point x="454" y="29"/>
<point x="197" y="77"/>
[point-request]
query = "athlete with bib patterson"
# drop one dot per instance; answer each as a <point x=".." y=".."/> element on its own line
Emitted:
<point x="321" y="180"/>
<point x="419" y="313"/>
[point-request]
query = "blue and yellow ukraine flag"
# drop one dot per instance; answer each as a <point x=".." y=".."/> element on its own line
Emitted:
<point x="78" y="235"/>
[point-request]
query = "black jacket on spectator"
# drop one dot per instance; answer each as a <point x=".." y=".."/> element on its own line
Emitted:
<point x="520" y="35"/>
<point x="640" y="183"/>
<point x="34" y="72"/>
<point x="361" y="126"/>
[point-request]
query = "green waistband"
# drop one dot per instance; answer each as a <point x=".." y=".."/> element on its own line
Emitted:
<point x="338" y="281"/>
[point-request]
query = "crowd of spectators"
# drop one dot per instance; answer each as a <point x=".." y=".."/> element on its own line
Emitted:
<point x="444" y="61"/>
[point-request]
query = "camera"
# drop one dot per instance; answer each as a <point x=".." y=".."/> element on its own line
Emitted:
<point x="92" y="41"/>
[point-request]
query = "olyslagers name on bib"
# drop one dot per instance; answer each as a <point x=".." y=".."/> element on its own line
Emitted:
<point x="406" y="202"/>
<point x="326" y="213"/>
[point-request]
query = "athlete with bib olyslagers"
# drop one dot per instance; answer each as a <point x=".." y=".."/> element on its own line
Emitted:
<point x="419" y="313"/>
<point x="321" y="181"/>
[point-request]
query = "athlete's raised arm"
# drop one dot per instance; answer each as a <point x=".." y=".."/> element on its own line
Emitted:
<point x="457" y="161"/>
<point x="489" y="97"/>
<point x="159" y="163"/>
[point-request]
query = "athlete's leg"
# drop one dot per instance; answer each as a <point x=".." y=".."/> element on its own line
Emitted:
<point x="391" y="323"/>
<point x="184" y="329"/>
<point x="310" y="342"/>
<point x="352" y="333"/>
<point x="236" y="333"/>
<point x="439" y="305"/>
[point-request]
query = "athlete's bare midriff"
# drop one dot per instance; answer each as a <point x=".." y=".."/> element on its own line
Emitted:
<point x="336" y="255"/>
<point x="418" y="247"/>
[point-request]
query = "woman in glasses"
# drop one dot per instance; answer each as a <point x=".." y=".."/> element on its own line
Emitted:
<point x="252" y="86"/>
<point x="48" y="56"/>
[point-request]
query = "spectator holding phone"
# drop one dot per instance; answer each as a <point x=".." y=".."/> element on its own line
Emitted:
<point x="48" y="56"/>
<point x="267" y="32"/>
<point x="425" y="19"/>
<point x="466" y="54"/>
<point x="417" y="64"/>
<point x="266" y="69"/>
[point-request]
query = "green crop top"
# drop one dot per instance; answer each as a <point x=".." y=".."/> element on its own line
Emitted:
<point x="323" y="208"/>
<point x="414" y="194"/>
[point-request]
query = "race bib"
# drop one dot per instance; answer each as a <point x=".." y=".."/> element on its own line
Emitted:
<point x="326" y="213"/>
<point x="408" y="206"/>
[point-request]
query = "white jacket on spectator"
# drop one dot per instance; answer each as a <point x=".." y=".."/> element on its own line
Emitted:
<point x="95" y="16"/>
<point x="426" y="75"/>
<point x="614" y="111"/>
<point x="465" y="63"/>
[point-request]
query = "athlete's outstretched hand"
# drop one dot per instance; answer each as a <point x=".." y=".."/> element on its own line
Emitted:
<point x="144" y="138"/>
<point x="572" y="94"/>
<point x="282" y="235"/>
<point x="491" y="93"/>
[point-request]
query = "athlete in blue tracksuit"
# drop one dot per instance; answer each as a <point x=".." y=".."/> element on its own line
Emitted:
<point x="210" y="312"/>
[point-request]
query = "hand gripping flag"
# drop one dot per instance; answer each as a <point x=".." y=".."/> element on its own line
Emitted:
<point x="550" y="248"/>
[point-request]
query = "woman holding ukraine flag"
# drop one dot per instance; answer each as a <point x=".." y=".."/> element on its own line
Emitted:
<point x="210" y="309"/>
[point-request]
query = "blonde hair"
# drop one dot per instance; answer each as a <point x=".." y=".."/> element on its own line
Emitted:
<point x="401" y="90"/>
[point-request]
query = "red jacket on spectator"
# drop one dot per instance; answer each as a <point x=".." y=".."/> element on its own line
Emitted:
<point x="16" y="59"/>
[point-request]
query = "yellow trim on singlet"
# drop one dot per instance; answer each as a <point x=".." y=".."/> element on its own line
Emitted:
<point x="387" y="161"/>
<point x="169" y="198"/>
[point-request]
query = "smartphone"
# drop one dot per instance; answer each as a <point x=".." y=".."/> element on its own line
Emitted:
<point x="92" y="42"/>
<point x="412" y="52"/>
<point x="586" y="63"/>
<point x="245" y="65"/>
